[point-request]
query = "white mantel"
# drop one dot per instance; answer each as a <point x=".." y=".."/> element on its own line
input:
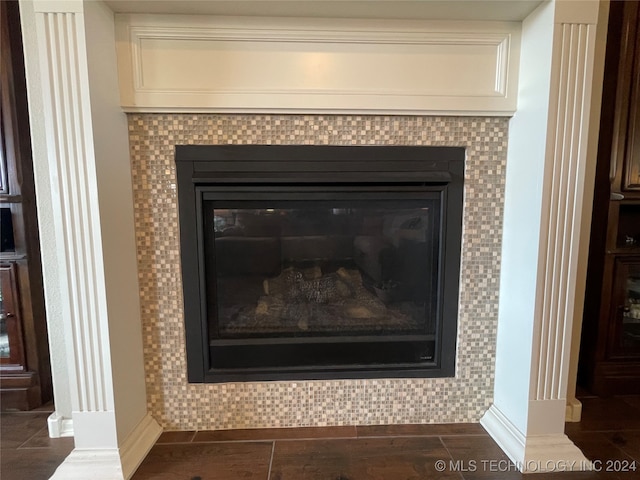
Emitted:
<point x="75" y="128"/>
<point x="316" y="65"/>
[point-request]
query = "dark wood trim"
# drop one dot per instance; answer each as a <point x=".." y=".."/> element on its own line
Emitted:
<point x="620" y="52"/>
<point x="4" y="178"/>
<point x="619" y="377"/>
<point x="631" y="179"/>
<point x="13" y="318"/>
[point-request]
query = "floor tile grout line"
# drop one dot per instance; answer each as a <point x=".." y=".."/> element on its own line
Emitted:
<point x="450" y="456"/>
<point x="612" y="430"/>
<point x="187" y="442"/>
<point x="308" y="439"/>
<point x="273" y="448"/>
<point x="264" y="440"/>
<point x="35" y="448"/>
<point x="31" y="437"/>
<point x="34" y="413"/>
<point x="218" y="442"/>
<point x="622" y="450"/>
<point x="194" y="434"/>
<point x="619" y="448"/>
<point x="428" y="435"/>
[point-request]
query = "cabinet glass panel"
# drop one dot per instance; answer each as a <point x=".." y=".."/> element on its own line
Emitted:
<point x="627" y="294"/>
<point x="4" y="185"/>
<point x="4" y="334"/>
<point x="629" y="227"/>
<point x="630" y="331"/>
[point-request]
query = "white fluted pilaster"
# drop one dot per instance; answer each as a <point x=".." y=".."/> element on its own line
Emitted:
<point x="530" y="428"/>
<point x="566" y="165"/>
<point x="112" y="430"/>
<point x="74" y="186"/>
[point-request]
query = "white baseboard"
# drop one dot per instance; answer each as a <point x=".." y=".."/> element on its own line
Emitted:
<point x="554" y="453"/>
<point x="113" y="463"/>
<point x="574" y="410"/>
<point x="533" y="453"/>
<point x="94" y="464"/>
<point x="504" y="433"/>
<point x="136" y="446"/>
<point x="59" y="426"/>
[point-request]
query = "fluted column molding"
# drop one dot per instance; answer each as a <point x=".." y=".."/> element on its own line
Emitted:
<point x="564" y="189"/>
<point x="73" y="177"/>
<point x="74" y="191"/>
<point x="112" y="430"/>
<point x="530" y="428"/>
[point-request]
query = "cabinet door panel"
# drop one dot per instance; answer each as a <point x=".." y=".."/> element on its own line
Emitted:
<point x="624" y="340"/>
<point x="11" y="345"/>
<point x="631" y="179"/>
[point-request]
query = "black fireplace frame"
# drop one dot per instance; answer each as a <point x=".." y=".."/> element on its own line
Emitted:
<point x="242" y="169"/>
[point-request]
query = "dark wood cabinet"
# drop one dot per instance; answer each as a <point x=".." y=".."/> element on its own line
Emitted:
<point x="19" y="387"/>
<point x="25" y="373"/>
<point x="631" y="161"/>
<point x="610" y="350"/>
<point x="11" y="339"/>
<point x="624" y="309"/>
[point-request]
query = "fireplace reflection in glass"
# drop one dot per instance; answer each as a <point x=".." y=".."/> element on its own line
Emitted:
<point x="302" y="269"/>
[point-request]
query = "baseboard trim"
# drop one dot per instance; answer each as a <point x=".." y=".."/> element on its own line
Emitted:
<point x="534" y="453"/>
<point x="59" y="426"/>
<point x="101" y="464"/>
<point x="504" y="433"/>
<point x="554" y="453"/>
<point x="574" y="410"/>
<point x="136" y="446"/>
<point x="111" y="463"/>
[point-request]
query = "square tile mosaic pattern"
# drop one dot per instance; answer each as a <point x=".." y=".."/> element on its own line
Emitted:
<point x="178" y="405"/>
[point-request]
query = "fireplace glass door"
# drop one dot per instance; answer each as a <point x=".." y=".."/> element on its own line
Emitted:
<point x="352" y="280"/>
<point x="310" y="262"/>
<point x="300" y="269"/>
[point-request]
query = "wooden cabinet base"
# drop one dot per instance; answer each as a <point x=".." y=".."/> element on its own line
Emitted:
<point x="619" y="378"/>
<point x="19" y="391"/>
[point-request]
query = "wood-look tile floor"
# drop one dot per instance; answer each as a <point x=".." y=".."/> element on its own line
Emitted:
<point x="26" y="451"/>
<point x="608" y="433"/>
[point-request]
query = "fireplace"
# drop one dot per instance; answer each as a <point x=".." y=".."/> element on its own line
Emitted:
<point x="308" y="262"/>
<point x="265" y="404"/>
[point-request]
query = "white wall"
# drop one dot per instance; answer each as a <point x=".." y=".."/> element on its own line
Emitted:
<point x="522" y="217"/>
<point x="111" y="146"/>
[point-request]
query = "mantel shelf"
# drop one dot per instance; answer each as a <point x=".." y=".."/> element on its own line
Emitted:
<point x="210" y="64"/>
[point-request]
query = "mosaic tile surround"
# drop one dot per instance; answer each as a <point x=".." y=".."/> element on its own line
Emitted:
<point x="178" y="405"/>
